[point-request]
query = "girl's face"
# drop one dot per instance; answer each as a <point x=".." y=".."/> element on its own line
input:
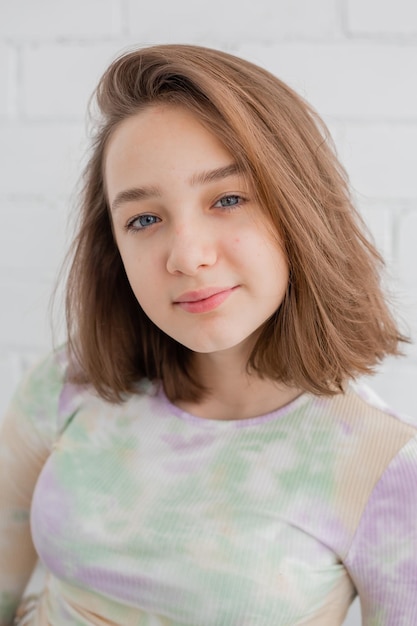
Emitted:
<point x="194" y="243"/>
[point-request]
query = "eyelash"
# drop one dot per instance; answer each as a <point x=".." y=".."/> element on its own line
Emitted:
<point x="228" y="207"/>
<point x="130" y="225"/>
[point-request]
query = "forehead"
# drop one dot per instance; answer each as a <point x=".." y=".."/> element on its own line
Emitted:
<point x="162" y="141"/>
<point x="158" y="125"/>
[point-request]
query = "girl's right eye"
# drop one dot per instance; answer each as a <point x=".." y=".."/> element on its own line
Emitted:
<point x="141" y="222"/>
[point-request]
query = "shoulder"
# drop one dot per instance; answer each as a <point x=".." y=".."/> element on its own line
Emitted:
<point x="364" y="433"/>
<point x="360" y="420"/>
<point x="45" y="398"/>
<point x="390" y="440"/>
<point x="46" y="374"/>
<point x="378" y="431"/>
<point x="367" y="441"/>
<point x="382" y="557"/>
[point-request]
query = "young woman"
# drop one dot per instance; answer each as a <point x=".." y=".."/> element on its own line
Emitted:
<point x="198" y="453"/>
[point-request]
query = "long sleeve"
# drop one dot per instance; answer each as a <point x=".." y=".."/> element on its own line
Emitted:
<point x="382" y="560"/>
<point x="27" y="434"/>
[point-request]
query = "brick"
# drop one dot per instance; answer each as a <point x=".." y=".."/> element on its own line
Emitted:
<point x="395" y="383"/>
<point x="40" y="160"/>
<point x="25" y="314"/>
<point x="381" y="159"/>
<point x="6" y="80"/>
<point x="346" y="80"/>
<point x="226" y="23"/>
<point x="58" y="79"/>
<point x="48" y="19"/>
<point x="32" y="239"/>
<point x="407" y="250"/>
<point x="382" y="17"/>
<point x="349" y="80"/>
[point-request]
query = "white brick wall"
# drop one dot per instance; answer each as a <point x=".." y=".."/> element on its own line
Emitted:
<point x="24" y="20"/>
<point x="57" y="79"/>
<point x="355" y="60"/>
<point x="381" y="17"/>
<point x="346" y="79"/>
<point x="228" y="24"/>
<point x="7" y="80"/>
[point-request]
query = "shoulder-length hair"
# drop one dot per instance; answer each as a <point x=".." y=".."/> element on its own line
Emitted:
<point x="334" y="322"/>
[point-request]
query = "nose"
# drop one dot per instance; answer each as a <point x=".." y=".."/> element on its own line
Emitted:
<point x="191" y="249"/>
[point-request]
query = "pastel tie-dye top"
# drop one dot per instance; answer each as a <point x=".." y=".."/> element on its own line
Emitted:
<point x="144" y="515"/>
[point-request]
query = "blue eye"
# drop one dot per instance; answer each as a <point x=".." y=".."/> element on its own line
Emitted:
<point x="229" y="201"/>
<point x="142" y="221"/>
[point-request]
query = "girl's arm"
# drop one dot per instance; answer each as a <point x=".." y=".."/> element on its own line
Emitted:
<point x="22" y="455"/>
<point x="27" y="433"/>
<point x="382" y="560"/>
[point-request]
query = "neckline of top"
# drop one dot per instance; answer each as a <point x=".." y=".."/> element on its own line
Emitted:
<point x="257" y="420"/>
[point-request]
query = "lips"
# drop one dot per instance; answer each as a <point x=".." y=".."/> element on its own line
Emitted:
<point x="203" y="300"/>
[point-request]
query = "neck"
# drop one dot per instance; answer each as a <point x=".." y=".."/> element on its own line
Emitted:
<point x="233" y="392"/>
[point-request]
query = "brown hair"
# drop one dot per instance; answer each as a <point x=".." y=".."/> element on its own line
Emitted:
<point x="334" y="322"/>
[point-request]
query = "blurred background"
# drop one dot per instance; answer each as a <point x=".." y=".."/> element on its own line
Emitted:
<point x="354" y="60"/>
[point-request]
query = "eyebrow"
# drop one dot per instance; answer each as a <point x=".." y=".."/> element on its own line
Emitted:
<point x="200" y="178"/>
<point x="136" y="193"/>
<point x="211" y="176"/>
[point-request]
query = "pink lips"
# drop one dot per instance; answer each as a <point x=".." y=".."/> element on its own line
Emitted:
<point x="203" y="300"/>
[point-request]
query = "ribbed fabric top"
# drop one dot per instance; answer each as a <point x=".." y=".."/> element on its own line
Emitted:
<point x="145" y="515"/>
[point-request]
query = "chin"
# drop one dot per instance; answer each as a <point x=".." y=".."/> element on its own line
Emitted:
<point x="211" y="347"/>
<point x="207" y="349"/>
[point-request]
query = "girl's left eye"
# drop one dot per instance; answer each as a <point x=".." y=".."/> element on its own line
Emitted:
<point x="229" y="202"/>
<point x="141" y="222"/>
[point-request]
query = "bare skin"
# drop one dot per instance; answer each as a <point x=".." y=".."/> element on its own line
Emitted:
<point x="235" y="393"/>
<point x="198" y="253"/>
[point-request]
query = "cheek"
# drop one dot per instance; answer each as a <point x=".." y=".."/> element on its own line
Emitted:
<point x="138" y="268"/>
<point x="147" y="292"/>
<point x="273" y="267"/>
<point x="280" y="267"/>
<point x="256" y="249"/>
<point x="136" y="258"/>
